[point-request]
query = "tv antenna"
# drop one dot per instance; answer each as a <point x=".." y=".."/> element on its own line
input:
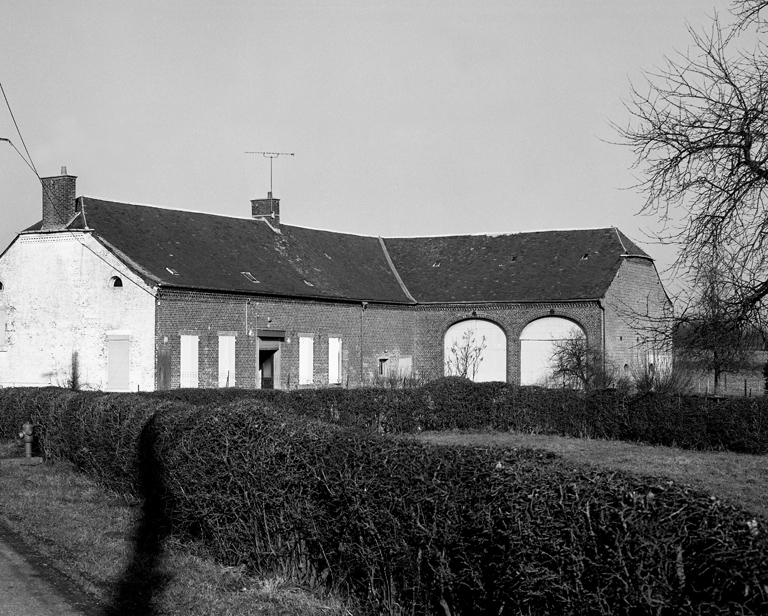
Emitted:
<point x="271" y="156"/>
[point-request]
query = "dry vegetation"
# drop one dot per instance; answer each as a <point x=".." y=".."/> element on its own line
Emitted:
<point x="88" y="533"/>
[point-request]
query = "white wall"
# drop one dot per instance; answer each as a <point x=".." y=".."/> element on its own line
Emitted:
<point x="58" y="299"/>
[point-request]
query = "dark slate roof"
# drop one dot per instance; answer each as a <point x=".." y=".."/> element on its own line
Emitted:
<point x="529" y="267"/>
<point x="210" y="252"/>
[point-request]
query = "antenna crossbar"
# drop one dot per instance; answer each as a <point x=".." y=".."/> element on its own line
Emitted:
<point x="271" y="156"/>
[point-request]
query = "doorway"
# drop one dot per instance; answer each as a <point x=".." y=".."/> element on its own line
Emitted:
<point x="267" y="368"/>
<point x="269" y="352"/>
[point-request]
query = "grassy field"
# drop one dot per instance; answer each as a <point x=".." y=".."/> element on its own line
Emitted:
<point x="89" y="532"/>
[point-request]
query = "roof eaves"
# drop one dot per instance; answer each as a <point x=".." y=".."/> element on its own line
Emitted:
<point x="625" y="252"/>
<point x="137" y="269"/>
<point x="485" y="302"/>
<point x="351" y="300"/>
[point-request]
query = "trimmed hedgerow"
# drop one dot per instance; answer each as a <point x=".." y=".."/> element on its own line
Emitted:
<point x="408" y="527"/>
<point x="452" y="403"/>
<point x="16" y="406"/>
<point x="411" y="528"/>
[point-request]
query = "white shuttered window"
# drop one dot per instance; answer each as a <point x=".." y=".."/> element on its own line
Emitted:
<point x="306" y="359"/>
<point x="189" y="361"/>
<point x="226" y="360"/>
<point x="334" y="360"/>
<point x="118" y="346"/>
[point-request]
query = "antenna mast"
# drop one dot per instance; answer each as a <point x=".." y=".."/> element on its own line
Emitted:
<point x="271" y="156"/>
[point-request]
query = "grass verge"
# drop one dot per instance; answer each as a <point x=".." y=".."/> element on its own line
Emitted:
<point x="88" y="533"/>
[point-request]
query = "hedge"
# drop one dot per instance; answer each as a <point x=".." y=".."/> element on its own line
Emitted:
<point x="691" y="422"/>
<point x="411" y="528"/>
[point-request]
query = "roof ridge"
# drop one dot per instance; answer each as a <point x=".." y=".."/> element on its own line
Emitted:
<point x="618" y="235"/>
<point x="394" y="270"/>
<point x="497" y="233"/>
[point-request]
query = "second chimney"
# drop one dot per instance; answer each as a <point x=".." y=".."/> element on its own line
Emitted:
<point x="58" y="200"/>
<point x="268" y="209"/>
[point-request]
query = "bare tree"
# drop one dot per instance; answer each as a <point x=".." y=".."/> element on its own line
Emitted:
<point x="699" y="130"/>
<point x="749" y="12"/>
<point x="706" y="336"/>
<point x="578" y="365"/>
<point x="465" y="356"/>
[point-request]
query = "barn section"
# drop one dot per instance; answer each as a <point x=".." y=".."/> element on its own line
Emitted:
<point x="251" y="302"/>
<point x="534" y="287"/>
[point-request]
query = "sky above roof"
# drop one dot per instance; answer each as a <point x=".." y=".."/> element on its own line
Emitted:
<point x="406" y="117"/>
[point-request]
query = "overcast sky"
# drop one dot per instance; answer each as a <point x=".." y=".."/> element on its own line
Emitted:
<point x="412" y="117"/>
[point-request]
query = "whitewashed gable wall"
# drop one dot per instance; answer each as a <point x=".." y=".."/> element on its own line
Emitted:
<point x="57" y="299"/>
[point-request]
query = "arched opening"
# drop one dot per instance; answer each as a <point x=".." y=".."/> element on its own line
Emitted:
<point x="538" y="342"/>
<point x="477" y="349"/>
<point x="1" y="285"/>
<point x="116" y="281"/>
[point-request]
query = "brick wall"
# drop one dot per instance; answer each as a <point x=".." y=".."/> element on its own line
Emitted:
<point x="383" y="331"/>
<point x="58" y="201"/>
<point x="635" y="305"/>
<point x="386" y="332"/>
<point x="433" y="322"/>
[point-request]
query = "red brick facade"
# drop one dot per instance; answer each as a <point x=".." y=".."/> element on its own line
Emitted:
<point x="382" y="331"/>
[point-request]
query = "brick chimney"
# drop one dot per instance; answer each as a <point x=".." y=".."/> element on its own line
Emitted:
<point x="266" y="209"/>
<point x="58" y="200"/>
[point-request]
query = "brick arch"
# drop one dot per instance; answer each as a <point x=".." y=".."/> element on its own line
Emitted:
<point x="536" y="347"/>
<point x="492" y="364"/>
<point x="564" y="317"/>
<point x="492" y="317"/>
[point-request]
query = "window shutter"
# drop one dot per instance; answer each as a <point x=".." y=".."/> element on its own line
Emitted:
<point x="188" y="362"/>
<point x="306" y="359"/>
<point x="226" y="361"/>
<point x="118" y="373"/>
<point x="334" y="360"/>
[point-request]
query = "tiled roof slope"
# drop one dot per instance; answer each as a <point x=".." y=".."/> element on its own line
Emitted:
<point x="209" y="252"/>
<point x="527" y="267"/>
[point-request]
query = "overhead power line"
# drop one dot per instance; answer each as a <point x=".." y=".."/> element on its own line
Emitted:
<point x="53" y="199"/>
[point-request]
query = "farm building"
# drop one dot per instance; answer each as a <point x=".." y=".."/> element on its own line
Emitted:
<point x="150" y="298"/>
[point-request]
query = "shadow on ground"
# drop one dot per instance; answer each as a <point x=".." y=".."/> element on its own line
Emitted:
<point x="143" y="581"/>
